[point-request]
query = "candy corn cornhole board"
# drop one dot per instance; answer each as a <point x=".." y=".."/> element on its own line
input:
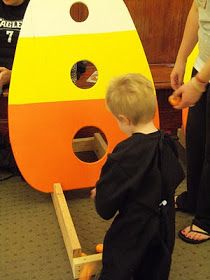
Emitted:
<point x="46" y="109"/>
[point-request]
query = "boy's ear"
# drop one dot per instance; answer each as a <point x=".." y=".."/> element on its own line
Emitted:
<point x="124" y="119"/>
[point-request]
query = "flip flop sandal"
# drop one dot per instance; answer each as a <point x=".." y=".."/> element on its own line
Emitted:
<point x="193" y="241"/>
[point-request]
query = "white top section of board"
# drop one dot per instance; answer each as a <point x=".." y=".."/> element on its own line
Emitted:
<point x="104" y="16"/>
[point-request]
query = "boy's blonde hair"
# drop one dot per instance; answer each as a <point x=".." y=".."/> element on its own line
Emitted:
<point x="133" y="96"/>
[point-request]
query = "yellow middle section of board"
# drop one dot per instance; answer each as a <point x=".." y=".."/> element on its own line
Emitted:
<point x="42" y="65"/>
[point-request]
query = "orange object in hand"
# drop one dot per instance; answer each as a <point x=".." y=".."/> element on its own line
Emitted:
<point x="174" y="100"/>
<point x="99" y="248"/>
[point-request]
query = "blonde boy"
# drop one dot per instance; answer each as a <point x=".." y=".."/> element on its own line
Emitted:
<point x="137" y="185"/>
<point x="131" y="99"/>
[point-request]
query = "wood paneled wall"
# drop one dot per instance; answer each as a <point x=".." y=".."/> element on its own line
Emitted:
<point x="160" y="24"/>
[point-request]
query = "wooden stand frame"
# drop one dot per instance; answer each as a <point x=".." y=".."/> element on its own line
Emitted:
<point x="70" y="237"/>
<point x="72" y="244"/>
<point x="94" y="144"/>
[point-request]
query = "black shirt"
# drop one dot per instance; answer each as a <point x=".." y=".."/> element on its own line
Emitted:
<point x="138" y="175"/>
<point x="11" y="18"/>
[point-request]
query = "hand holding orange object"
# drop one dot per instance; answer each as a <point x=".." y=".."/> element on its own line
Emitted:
<point x="174" y="100"/>
<point x="99" y="248"/>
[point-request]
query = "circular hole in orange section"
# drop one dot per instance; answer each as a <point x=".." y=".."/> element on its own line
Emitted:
<point x="79" y="12"/>
<point x="84" y="74"/>
<point x="89" y="144"/>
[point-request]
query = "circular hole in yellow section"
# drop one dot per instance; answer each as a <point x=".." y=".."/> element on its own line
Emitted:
<point x="79" y="12"/>
<point x="89" y="144"/>
<point x="84" y="74"/>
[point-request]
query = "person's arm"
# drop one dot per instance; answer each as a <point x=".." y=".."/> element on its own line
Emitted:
<point x="111" y="189"/>
<point x="191" y="92"/>
<point x="5" y="76"/>
<point x="189" y="40"/>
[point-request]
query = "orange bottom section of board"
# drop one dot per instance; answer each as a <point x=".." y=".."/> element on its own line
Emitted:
<point x="41" y="137"/>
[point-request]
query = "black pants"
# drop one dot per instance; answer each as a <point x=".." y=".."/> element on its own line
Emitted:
<point x="150" y="259"/>
<point x="197" y="197"/>
<point x="155" y="265"/>
<point x="7" y="160"/>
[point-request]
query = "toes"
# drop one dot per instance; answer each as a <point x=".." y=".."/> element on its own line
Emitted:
<point x="194" y="235"/>
<point x="186" y="230"/>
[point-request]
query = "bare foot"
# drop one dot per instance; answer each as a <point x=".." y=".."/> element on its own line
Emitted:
<point x="195" y="233"/>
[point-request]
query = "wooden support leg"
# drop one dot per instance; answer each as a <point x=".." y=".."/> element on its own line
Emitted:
<point x="71" y="240"/>
<point x="66" y="224"/>
<point x="94" y="144"/>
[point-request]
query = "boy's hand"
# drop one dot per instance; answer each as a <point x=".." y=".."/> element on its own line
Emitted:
<point x="93" y="193"/>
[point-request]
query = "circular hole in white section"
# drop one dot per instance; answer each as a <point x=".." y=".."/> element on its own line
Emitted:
<point x="79" y="12"/>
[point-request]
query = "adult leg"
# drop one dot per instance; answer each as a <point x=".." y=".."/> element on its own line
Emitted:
<point x="200" y="229"/>
<point x="7" y="160"/>
<point x="202" y="216"/>
<point x="195" y="151"/>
